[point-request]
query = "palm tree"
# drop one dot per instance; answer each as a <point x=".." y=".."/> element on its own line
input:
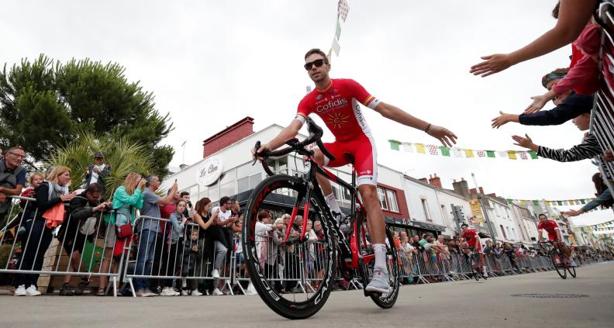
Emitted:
<point x="123" y="156"/>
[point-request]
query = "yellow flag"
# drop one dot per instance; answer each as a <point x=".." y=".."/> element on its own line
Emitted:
<point x="511" y="154"/>
<point x="420" y="148"/>
<point x="468" y="153"/>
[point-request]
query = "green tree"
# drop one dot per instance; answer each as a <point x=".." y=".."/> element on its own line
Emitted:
<point x="44" y="104"/>
<point x="121" y="154"/>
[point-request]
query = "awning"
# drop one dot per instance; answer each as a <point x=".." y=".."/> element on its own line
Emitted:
<point x="407" y="223"/>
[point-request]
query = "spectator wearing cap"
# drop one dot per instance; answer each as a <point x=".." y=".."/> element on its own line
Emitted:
<point x="568" y="106"/>
<point x="97" y="171"/>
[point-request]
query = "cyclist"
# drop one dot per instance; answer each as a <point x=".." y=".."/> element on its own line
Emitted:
<point x="554" y="235"/>
<point x="336" y="101"/>
<point x="473" y="243"/>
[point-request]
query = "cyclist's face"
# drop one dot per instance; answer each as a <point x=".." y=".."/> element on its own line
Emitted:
<point x="317" y="73"/>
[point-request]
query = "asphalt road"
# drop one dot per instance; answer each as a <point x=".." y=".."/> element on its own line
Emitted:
<point x="498" y="302"/>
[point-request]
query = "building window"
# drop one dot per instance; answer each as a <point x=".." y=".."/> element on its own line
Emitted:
<point x="382" y="198"/>
<point x="503" y="231"/>
<point x="388" y="199"/>
<point x="392" y="201"/>
<point x="425" y="208"/>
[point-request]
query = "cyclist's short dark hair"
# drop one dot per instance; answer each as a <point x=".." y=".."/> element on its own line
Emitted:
<point x="318" y="52"/>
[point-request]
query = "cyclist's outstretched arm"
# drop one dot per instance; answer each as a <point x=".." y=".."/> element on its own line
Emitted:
<point x="398" y="115"/>
<point x="286" y="134"/>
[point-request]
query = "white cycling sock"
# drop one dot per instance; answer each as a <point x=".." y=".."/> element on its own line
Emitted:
<point x="380" y="257"/>
<point x="332" y="203"/>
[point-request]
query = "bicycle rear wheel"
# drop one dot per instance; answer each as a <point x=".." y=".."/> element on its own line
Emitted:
<point x="558" y="265"/>
<point x="385" y="301"/>
<point x="294" y="279"/>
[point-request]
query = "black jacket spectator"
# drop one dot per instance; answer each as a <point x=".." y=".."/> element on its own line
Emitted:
<point x="571" y="107"/>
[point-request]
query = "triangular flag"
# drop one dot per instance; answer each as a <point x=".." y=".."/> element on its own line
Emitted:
<point x="394" y="145"/>
<point x="490" y="153"/>
<point x="511" y="154"/>
<point x="468" y="153"/>
<point x="533" y="154"/>
<point x="433" y="149"/>
<point x="338" y="30"/>
<point x="560" y="203"/>
<point x="523" y="155"/>
<point x="407" y="147"/>
<point x="457" y="152"/>
<point x="445" y="151"/>
<point x="481" y="153"/>
<point x="536" y="202"/>
<point x="420" y="148"/>
<point x="502" y="154"/>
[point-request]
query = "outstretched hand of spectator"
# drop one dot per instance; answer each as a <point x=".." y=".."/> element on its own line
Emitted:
<point x="502" y="119"/>
<point x="445" y="136"/>
<point x="525" y="142"/>
<point x="492" y="64"/>
<point x="538" y="103"/>
<point x="571" y="213"/>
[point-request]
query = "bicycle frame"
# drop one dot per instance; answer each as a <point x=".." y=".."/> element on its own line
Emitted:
<point x="349" y="250"/>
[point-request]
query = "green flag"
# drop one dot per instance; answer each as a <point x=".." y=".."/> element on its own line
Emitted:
<point x="533" y="154"/>
<point x="394" y="145"/>
<point x="445" y="151"/>
<point x="490" y="153"/>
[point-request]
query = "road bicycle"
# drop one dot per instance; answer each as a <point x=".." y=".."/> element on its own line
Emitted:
<point x="473" y="260"/>
<point x="560" y="262"/>
<point x="294" y="276"/>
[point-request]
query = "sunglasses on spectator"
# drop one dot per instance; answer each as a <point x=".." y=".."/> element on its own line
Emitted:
<point x="316" y="63"/>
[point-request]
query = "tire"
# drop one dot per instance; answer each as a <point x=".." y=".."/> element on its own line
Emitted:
<point x="383" y="301"/>
<point x="571" y="269"/>
<point x="560" y="269"/>
<point x="286" y="304"/>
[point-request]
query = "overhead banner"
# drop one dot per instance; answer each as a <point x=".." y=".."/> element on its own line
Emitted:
<point x="435" y="150"/>
<point x="561" y="202"/>
<point x="476" y="211"/>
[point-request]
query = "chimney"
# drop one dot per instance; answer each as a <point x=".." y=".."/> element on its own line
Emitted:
<point x="228" y="136"/>
<point x="461" y="187"/>
<point x="435" y="181"/>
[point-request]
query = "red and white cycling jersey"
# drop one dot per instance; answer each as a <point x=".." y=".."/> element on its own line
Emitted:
<point x="551" y="227"/>
<point x="472" y="237"/>
<point x="339" y="107"/>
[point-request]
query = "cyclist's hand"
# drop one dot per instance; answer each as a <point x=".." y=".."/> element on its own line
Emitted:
<point x="259" y="150"/>
<point x="445" y="136"/>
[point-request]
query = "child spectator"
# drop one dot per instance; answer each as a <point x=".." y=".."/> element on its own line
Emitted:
<point x="191" y="256"/>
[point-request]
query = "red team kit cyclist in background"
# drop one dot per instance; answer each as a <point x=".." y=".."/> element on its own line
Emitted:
<point x="473" y="242"/>
<point x="337" y="102"/>
<point x="554" y="235"/>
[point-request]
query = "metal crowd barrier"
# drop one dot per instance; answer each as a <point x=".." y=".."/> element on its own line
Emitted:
<point x="76" y="250"/>
<point x="176" y="263"/>
<point x="602" y="115"/>
<point x="423" y="267"/>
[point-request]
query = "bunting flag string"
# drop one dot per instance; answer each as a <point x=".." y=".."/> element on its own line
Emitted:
<point x="435" y="150"/>
<point x="560" y="202"/>
<point x="343" y="8"/>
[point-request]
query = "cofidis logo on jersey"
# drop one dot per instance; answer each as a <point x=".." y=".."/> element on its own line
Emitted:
<point x="328" y="105"/>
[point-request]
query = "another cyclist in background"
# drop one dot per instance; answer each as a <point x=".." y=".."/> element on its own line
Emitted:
<point x="473" y="242"/>
<point x="555" y="236"/>
<point x="337" y="101"/>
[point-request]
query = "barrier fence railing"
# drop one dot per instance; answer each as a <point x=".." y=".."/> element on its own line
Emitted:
<point x="80" y="247"/>
<point x="182" y="256"/>
<point x="602" y="115"/>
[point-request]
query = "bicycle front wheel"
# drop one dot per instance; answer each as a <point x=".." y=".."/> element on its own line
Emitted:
<point x="295" y="278"/>
<point x="558" y="265"/>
